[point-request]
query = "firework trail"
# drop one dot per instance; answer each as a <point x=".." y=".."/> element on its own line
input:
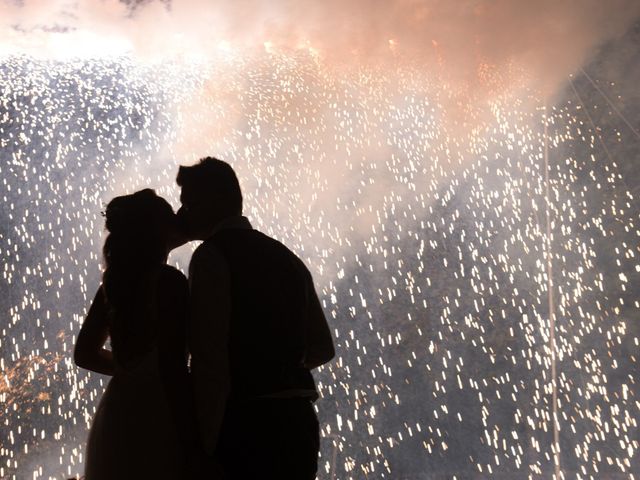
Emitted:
<point x="476" y="249"/>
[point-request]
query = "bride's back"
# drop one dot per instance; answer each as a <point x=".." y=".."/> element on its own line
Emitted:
<point x="150" y="321"/>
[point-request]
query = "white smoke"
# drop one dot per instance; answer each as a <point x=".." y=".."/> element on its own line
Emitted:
<point x="545" y="39"/>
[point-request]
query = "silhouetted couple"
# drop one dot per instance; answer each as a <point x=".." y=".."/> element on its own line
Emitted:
<point x="249" y="319"/>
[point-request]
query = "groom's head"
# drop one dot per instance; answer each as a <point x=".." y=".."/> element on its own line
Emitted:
<point x="210" y="193"/>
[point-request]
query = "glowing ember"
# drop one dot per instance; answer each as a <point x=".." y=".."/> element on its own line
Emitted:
<point x="430" y="220"/>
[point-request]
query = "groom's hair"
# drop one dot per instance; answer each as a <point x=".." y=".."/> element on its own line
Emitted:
<point x="214" y="179"/>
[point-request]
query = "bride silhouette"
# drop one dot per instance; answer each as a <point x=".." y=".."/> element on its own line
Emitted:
<point x="143" y="427"/>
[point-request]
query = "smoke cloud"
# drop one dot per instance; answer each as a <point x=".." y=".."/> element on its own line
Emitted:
<point x="543" y="41"/>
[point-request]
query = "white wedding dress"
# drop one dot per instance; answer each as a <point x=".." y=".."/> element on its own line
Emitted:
<point x="133" y="435"/>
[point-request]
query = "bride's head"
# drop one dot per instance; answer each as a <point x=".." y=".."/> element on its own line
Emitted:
<point x="142" y="229"/>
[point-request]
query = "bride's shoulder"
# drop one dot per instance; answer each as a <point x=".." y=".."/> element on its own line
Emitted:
<point x="172" y="289"/>
<point x="171" y="275"/>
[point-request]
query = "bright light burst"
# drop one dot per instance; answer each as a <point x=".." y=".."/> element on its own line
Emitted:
<point x="440" y="249"/>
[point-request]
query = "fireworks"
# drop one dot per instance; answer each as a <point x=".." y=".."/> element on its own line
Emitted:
<point x="426" y="217"/>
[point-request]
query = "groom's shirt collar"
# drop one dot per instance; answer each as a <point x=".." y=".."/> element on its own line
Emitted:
<point x="235" y="222"/>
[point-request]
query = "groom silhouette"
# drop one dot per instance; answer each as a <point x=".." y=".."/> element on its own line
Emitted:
<point x="256" y="331"/>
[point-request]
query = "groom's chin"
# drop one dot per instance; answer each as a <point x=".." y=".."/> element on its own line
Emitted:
<point x="178" y="239"/>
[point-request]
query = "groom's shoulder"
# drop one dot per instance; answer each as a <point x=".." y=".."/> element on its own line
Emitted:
<point x="206" y="253"/>
<point x="285" y="252"/>
<point x="206" y="249"/>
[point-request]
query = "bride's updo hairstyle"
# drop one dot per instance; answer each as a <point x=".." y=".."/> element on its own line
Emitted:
<point x="139" y="226"/>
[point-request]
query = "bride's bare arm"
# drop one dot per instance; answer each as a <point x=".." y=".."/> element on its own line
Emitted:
<point x="89" y="352"/>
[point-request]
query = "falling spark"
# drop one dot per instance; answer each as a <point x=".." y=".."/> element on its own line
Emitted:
<point x="426" y="231"/>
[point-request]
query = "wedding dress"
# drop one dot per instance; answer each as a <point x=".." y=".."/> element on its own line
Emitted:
<point x="132" y="435"/>
<point x="136" y="432"/>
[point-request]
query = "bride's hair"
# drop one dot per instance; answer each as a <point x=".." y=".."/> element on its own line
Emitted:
<point x="136" y="247"/>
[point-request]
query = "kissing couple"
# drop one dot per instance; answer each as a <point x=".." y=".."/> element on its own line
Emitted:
<point x="210" y="375"/>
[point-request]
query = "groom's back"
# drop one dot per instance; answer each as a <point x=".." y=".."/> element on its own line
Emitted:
<point x="269" y="307"/>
